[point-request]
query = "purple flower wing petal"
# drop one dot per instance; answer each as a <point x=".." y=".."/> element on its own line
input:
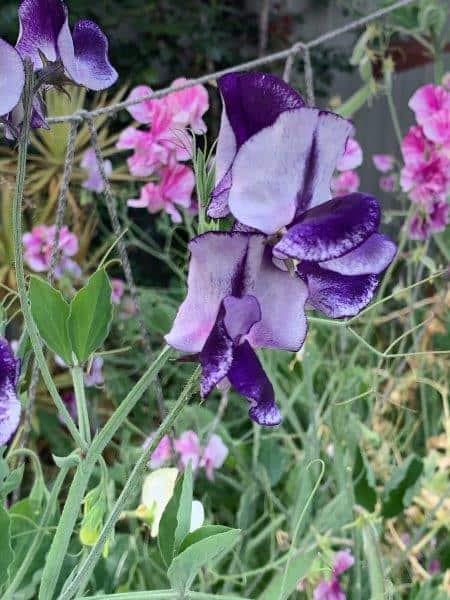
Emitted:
<point x="41" y="22"/>
<point x="9" y="412"/>
<point x="241" y="119"/>
<point x="215" y="259"/>
<point x="286" y="168"/>
<point x="84" y="54"/>
<point x="216" y="356"/>
<point x="282" y="300"/>
<point x="12" y="77"/>
<point x="247" y="377"/>
<point x="334" y="294"/>
<point x="240" y="315"/>
<point x="373" y="256"/>
<point x="332" y="229"/>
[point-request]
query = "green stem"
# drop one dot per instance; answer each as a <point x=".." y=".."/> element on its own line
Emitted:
<point x="40" y="531"/>
<point x="84" y="572"/>
<point x="66" y="525"/>
<point x="80" y="398"/>
<point x="18" y="256"/>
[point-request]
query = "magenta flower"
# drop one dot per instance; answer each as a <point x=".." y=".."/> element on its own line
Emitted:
<point x="118" y="289"/>
<point x="346" y="182"/>
<point x="175" y="188"/>
<point x="161" y="454"/>
<point x="387" y="183"/>
<point x="38" y="249"/>
<point x="213" y="455"/>
<point x="83" y="54"/>
<point x="12" y="78"/>
<point x="238" y="301"/>
<point x="188" y="106"/>
<point x="431" y="106"/>
<point x="94" y="375"/>
<point x="383" y="162"/>
<point x="352" y="157"/>
<point x="429" y="219"/>
<point x="331" y="589"/>
<point x="274" y="165"/>
<point x="9" y="402"/>
<point x="94" y="181"/>
<point x="189" y="449"/>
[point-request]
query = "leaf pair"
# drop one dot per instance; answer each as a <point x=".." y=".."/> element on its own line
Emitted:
<point x="183" y="552"/>
<point x="78" y="328"/>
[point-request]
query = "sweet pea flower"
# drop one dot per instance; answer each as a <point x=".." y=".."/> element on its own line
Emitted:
<point x="274" y="164"/>
<point x="188" y="446"/>
<point x="425" y="179"/>
<point x="431" y="106"/>
<point x="214" y="455"/>
<point x="429" y="220"/>
<point x="238" y="301"/>
<point x="94" y="375"/>
<point x="332" y="590"/>
<point x="9" y="402"/>
<point x="157" y="491"/>
<point x="45" y="38"/>
<point x="175" y="187"/>
<point x="383" y="162"/>
<point x="346" y="182"/>
<point x="352" y="157"/>
<point x="387" y="183"/>
<point x="161" y="454"/>
<point x="94" y="181"/>
<point x="12" y="78"/>
<point x="188" y="106"/>
<point x="117" y="290"/>
<point x="38" y="245"/>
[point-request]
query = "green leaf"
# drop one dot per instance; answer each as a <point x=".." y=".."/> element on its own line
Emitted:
<point x="273" y="458"/>
<point x="176" y="518"/>
<point x="400" y="486"/>
<point x="197" y="549"/>
<point x="298" y="568"/>
<point x="364" y="485"/>
<point x="90" y="316"/>
<point x="6" y="552"/>
<point x="51" y="312"/>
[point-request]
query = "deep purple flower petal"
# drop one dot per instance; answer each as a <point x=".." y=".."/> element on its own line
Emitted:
<point x="247" y="377"/>
<point x="216" y="356"/>
<point x="337" y="295"/>
<point x="286" y="168"/>
<point x="373" y="256"/>
<point x="84" y="54"/>
<point x="332" y="229"/>
<point x="9" y="401"/>
<point x="240" y="315"/>
<point x="40" y="24"/>
<point x="251" y="102"/>
<point x="12" y="77"/>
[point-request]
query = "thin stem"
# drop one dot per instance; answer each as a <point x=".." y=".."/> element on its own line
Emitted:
<point x="45" y="520"/>
<point x="71" y="509"/>
<point x="18" y="257"/>
<point x="84" y="572"/>
<point x="80" y="399"/>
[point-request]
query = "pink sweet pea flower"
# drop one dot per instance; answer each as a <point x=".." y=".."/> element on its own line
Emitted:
<point x="188" y="446"/>
<point x="387" y="183"/>
<point x="352" y="157"/>
<point x="332" y="590"/>
<point x="118" y="288"/>
<point x="429" y="220"/>
<point x="161" y="454"/>
<point x="346" y="182"/>
<point x="383" y="162"/>
<point x="437" y="127"/>
<point x="415" y="146"/>
<point x="94" y="181"/>
<point x="342" y="561"/>
<point x="175" y="187"/>
<point x="431" y="105"/>
<point x="188" y="106"/>
<point x="38" y="245"/>
<point x="428" y="181"/>
<point x="214" y="455"/>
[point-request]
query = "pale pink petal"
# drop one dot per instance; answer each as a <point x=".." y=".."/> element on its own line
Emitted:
<point x="352" y="157"/>
<point x="383" y="162"/>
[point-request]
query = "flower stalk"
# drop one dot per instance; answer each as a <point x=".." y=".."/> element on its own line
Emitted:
<point x="80" y="398"/>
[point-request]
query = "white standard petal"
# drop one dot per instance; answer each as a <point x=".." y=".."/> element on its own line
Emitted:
<point x="157" y="490"/>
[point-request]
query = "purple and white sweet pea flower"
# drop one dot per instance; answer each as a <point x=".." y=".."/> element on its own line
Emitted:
<point x="9" y="401"/>
<point x="12" y="78"/>
<point x="275" y="161"/>
<point x="239" y="301"/>
<point x="81" y="55"/>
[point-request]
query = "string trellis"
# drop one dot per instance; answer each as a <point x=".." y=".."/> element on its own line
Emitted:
<point x="288" y="55"/>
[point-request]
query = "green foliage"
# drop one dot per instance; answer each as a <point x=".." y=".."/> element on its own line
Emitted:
<point x="400" y="487"/>
<point x="6" y="551"/>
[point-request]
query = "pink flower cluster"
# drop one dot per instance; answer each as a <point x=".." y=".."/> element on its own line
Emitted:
<point x="38" y="245"/>
<point x="426" y="154"/>
<point x="209" y="457"/>
<point x="348" y="180"/>
<point x="385" y="164"/>
<point x="331" y="589"/>
<point x="163" y="144"/>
